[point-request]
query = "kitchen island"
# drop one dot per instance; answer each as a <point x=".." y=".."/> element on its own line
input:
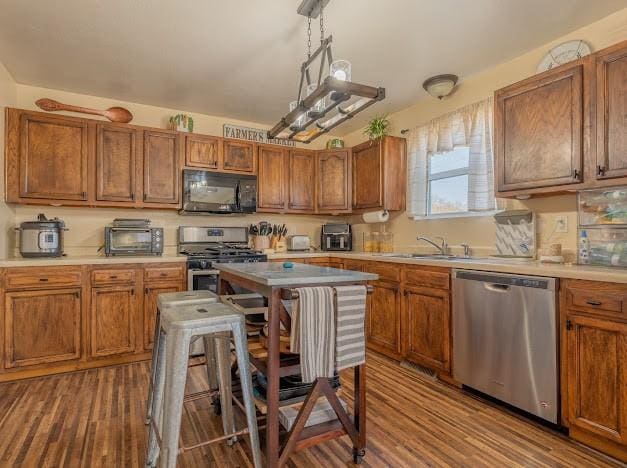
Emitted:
<point x="276" y="282"/>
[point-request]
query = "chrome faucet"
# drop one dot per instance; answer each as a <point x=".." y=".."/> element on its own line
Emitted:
<point x="466" y="250"/>
<point x="442" y="247"/>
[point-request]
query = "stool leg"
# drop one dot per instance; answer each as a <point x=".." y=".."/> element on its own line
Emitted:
<point x="223" y="359"/>
<point x="241" y="352"/>
<point x="177" y="357"/>
<point x="153" y="367"/>
<point x="210" y="360"/>
<point x="156" y="401"/>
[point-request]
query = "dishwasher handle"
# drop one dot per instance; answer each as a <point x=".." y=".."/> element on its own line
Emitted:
<point x="496" y="287"/>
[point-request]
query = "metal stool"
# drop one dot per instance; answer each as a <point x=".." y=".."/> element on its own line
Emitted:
<point x="176" y="299"/>
<point x="177" y="328"/>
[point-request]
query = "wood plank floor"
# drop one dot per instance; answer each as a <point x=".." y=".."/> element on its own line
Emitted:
<point x="95" y="419"/>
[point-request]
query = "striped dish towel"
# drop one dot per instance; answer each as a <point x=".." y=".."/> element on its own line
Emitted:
<point x="350" y="346"/>
<point x="313" y="332"/>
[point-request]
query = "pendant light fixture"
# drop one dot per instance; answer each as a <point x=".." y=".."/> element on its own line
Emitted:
<point x="323" y="96"/>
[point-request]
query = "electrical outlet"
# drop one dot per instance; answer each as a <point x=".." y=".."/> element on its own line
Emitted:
<point x="561" y="224"/>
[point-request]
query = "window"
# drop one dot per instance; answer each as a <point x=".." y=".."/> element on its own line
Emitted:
<point x="447" y="188"/>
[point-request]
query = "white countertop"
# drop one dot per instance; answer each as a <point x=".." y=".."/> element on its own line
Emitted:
<point x="275" y="274"/>
<point x="536" y="268"/>
<point x="88" y="260"/>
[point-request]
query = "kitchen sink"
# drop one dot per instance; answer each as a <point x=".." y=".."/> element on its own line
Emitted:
<point x="436" y="256"/>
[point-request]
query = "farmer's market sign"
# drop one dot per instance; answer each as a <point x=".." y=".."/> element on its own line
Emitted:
<point x="253" y="134"/>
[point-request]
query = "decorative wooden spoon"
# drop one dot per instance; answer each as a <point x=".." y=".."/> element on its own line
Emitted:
<point x="114" y="114"/>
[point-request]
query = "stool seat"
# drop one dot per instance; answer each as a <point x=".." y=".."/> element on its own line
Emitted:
<point x="185" y="298"/>
<point x="196" y="318"/>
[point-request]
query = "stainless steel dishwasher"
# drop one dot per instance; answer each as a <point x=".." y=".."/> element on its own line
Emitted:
<point x="505" y="338"/>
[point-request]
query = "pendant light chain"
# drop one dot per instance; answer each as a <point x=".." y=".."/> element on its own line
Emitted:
<point x="321" y="22"/>
<point x="309" y="37"/>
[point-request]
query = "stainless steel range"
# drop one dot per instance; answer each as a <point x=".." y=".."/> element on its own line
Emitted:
<point x="207" y="245"/>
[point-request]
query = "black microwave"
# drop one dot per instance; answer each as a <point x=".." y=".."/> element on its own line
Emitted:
<point x="216" y="192"/>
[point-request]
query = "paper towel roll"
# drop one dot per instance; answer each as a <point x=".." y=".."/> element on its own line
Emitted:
<point x="376" y="216"/>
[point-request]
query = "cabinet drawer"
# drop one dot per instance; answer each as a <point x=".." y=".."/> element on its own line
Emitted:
<point x="426" y="278"/>
<point x="100" y="277"/>
<point x="20" y="278"/>
<point x="163" y="273"/>
<point x="582" y="297"/>
<point x="385" y="272"/>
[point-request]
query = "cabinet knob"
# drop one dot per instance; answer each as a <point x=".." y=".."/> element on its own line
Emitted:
<point x="569" y="325"/>
<point x="576" y="174"/>
<point x="600" y="170"/>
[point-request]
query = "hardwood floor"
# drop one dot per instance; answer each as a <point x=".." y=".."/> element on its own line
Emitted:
<point x="95" y="418"/>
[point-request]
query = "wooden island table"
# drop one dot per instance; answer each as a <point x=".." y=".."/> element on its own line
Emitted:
<point x="275" y="282"/>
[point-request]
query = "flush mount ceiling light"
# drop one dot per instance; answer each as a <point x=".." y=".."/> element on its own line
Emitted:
<point x="440" y="86"/>
<point x="334" y="86"/>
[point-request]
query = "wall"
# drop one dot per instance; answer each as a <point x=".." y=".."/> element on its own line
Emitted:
<point x="8" y="97"/>
<point x="479" y="231"/>
<point x="85" y="225"/>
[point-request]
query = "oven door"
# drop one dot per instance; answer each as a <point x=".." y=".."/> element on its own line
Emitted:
<point x="202" y="280"/>
<point x="128" y="241"/>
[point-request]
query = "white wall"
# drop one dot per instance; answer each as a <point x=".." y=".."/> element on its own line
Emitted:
<point x="8" y="97"/>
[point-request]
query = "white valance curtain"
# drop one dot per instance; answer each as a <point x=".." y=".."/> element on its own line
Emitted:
<point x="469" y="126"/>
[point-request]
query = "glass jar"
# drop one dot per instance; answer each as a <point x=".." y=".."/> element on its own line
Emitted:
<point x="386" y="242"/>
<point x="371" y="242"/>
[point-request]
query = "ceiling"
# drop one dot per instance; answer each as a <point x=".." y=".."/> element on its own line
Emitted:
<point x="241" y="58"/>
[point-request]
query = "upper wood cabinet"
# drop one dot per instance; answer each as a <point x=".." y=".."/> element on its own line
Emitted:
<point x="333" y="169"/>
<point x="116" y="162"/>
<point x="301" y="176"/>
<point x="161" y="167"/>
<point x="379" y="174"/>
<point x="539" y="130"/>
<point x="42" y="327"/>
<point x="611" y="112"/>
<point x="203" y="151"/>
<point x="271" y="178"/>
<point x="239" y="156"/>
<point x="46" y="158"/>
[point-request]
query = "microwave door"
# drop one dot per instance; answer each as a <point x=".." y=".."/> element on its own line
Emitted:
<point x="211" y="194"/>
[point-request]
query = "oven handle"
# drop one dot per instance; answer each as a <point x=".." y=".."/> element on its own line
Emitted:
<point x="203" y="272"/>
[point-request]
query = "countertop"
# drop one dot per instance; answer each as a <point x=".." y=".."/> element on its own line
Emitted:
<point x="536" y="268"/>
<point x="274" y="274"/>
<point x="88" y="260"/>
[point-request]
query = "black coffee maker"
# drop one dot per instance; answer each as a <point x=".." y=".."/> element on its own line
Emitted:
<point x="336" y="237"/>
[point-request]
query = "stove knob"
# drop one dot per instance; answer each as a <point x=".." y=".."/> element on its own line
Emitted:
<point x="203" y="264"/>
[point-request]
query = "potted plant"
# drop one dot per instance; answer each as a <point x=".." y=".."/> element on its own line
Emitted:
<point x="377" y="127"/>
<point x="182" y="123"/>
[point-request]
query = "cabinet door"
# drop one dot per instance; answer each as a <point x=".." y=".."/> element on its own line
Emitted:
<point x="42" y="327"/>
<point x="112" y="320"/>
<point x="116" y="163"/>
<point x="301" y="174"/>
<point x="538" y="128"/>
<point x="427" y="327"/>
<point x="383" y="319"/>
<point x="611" y="111"/>
<point x="53" y="157"/>
<point x="161" y="167"/>
<point x="597" y="376"/>
<point x="334" y="181"/>
<point x="203" y="151"/>
<point x="150" y="310"/>
<point x="239" y="156"/>
<point x="367" y="176"/>
<point x="271" y="178"/>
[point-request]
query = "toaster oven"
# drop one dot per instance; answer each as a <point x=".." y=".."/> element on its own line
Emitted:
<point x="133" y="241"/>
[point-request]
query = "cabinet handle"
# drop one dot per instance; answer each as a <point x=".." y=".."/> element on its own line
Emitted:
<point x="133" y="292"/>
<point x="593" y="303"/>
<point x="113" y="276"/>
<point x="163" y="274"/>
<point x="145" y="197"/>
<point x="147" y="290"/>
<point x="43" y="279"/>
<point x="569" y="325"/>
<point x="84" y="194"/>
<point x="77" y="295"/>
<point x="133" y="196"/>
<point x="576" y="174"/>
<point x="600" y="170"/>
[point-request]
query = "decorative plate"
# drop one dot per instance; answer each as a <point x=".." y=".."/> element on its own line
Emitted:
<point x="563" y="53"/>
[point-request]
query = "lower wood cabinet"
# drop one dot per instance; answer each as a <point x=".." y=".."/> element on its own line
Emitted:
<point x="112" y="320"/>
<point x="426" y="327"/>
<point x="42" y="327"/>
<point x="594" y="364"/>
<point x="150" y="310"/>
<point x="383" y="325"/>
